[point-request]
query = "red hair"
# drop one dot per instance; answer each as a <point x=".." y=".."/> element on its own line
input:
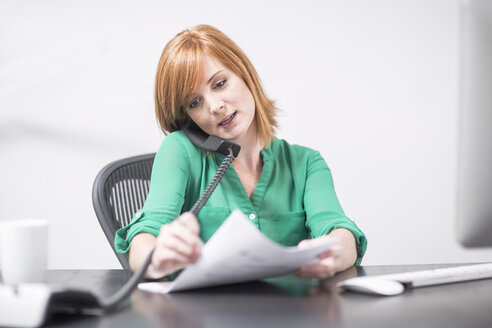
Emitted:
<point x="179" y="72"/>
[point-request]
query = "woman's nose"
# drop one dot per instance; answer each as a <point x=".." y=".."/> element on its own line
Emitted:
<point x="216" y="106"/>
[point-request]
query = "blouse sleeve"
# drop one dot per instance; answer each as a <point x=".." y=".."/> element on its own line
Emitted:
<point x="323" y="211"/>
<point x="170" y="175"/>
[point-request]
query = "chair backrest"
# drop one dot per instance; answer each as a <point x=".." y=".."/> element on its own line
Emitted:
<point x="119" y="191"/>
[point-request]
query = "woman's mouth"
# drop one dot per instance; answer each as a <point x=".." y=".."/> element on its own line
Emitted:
<point x="228" y="120"/>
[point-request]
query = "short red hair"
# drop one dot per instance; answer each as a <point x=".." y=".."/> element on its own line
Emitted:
<point x="179" y="72"/>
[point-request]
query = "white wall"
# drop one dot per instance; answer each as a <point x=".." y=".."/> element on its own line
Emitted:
<point x="371" y="84"/>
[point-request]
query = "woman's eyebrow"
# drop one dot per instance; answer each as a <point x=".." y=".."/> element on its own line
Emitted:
<point x="211" y="78"/>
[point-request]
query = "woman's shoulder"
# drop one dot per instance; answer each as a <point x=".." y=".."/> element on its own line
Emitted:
<point x="298" y="158"/>
<point x="280" y="146"/>
<point x="176" y="137"/>
<point x="178" y="140"/>
<point x="177" y="143"/>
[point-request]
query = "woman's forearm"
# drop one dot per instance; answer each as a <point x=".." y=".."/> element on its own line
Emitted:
<point x="140" y="248"/>
<point x="177" y="246"/>
<point x="349" y="250"/>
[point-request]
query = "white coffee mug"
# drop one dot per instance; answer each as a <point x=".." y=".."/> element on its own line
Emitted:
<point x="23" y="251"/>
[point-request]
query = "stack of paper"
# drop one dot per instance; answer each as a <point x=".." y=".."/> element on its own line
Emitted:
<point x="238" y="252"/>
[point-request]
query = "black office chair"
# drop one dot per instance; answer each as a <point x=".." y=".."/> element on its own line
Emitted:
<point x="119" y="191"/>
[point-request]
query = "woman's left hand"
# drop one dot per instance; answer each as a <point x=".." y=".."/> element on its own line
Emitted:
<point x="329" y="261"/>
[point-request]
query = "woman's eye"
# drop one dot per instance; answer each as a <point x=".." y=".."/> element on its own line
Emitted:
<point x="219" y="84"/>
<point x="194" y="103"/>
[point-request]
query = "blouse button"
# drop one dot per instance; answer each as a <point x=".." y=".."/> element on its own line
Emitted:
<point x="252" y="216"/>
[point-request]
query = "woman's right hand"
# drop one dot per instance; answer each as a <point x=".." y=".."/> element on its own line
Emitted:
<point x="177" y="245"/>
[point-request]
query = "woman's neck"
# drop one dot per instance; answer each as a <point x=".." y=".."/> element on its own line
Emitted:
<point x="248" y="165"/>
<point x="249" y="157"/>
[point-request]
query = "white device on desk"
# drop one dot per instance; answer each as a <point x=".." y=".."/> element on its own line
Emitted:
<point x="394" y="284"/>
<point x="24" y="306"/>
<point x="29" y="305"/>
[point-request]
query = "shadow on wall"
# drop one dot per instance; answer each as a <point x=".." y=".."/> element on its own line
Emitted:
<point x="20" y="130"/>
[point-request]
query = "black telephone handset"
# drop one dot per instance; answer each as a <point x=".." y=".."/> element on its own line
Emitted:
<point x="215" y="144"/>
<point x="211" y="143"/>
<point x="82" y="301"/>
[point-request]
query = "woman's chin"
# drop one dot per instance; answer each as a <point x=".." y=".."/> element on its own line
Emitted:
<point x="231" y="135"/>
<point x="236" y="134"/>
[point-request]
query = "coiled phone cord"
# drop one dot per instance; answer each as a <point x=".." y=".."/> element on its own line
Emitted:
<point x="213" y="183"/>
<point x="112" y="303"/>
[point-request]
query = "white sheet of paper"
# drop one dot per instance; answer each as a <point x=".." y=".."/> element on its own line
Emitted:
<point x="238" y="252"/>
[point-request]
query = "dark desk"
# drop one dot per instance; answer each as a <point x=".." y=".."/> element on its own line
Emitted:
<point x="288" y="302"/>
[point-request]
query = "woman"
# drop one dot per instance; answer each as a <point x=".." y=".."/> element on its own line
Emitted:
<point x="285" y="190"/>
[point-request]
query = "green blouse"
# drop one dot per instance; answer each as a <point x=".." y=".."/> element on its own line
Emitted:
<point x="293" y="198"/>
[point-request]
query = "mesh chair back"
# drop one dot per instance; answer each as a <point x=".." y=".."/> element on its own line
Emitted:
<point x="120" y="190"/>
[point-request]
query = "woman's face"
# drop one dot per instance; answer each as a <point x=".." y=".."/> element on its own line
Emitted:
<point x="223" y="105"/>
